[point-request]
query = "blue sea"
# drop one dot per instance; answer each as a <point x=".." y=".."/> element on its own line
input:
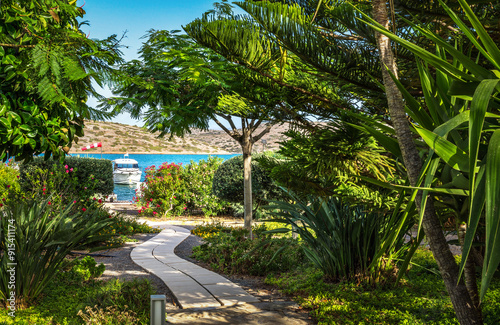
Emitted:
<point x="127" y="192"/>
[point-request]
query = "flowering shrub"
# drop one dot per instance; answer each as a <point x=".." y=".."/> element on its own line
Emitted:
<point x="172" y="189"/>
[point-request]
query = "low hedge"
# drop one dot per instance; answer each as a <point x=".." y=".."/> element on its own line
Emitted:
<point x="100" y="169"/>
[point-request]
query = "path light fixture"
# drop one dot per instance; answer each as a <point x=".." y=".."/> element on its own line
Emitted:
<point x="158" y="306"/>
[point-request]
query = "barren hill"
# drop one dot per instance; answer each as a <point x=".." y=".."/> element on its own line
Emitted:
<point x="122" y="138"/>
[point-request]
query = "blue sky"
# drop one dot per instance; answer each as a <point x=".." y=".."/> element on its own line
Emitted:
<point x="107" y="17"/>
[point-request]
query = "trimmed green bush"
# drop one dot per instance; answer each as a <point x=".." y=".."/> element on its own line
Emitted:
<point x="100" y="170"/>
<point x="228" y="182"/>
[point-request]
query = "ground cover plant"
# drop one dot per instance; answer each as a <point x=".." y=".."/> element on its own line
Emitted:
<point x="228" y="250"/>
<point x="173" y="189"/>
<point x="419" y="298"/>
<point x="92" y="301"/>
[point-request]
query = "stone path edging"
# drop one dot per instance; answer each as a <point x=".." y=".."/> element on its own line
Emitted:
<point x="192" y="285"/>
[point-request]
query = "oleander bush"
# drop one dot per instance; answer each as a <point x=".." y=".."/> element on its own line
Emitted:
<point x="173" y="189"/>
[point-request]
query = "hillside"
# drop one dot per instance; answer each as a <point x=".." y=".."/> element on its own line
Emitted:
<point x="122" y="138"/>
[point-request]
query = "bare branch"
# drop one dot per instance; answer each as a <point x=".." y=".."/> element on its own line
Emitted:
<point x="264" y="132"/>
<point x="16" y="45"/>
<point x="233" y="134"/>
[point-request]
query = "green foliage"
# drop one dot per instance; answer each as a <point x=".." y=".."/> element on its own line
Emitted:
<point x="89" y="176"/>
<point x="121" y="227"/>
<point x="132" y="295"/>
<point x="326" y="160"/>
<point x="458" y="122"/>
<point x="172" y="190"/>
<point x="86" y="268"/>
<point x="228" y="250"/>
<point x="228" y="182"/>
<point x="9" y="174"/>
<point x="420" y="298"/>
<point x="47" y="66"/>
<point x="40" y="238"/>
<point x="109" y="316"/>
<point x="343" y="241"/>
<point x="197" y="181"/>
<point x="92" y="300"/>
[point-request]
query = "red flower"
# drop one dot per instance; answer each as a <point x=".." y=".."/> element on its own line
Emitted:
<point x="74" y="201"/>
<point x="100" y="201"/>
<point x="1" y="205"/>
<point x="49" y="203"/>
<point x="83" y="209"/>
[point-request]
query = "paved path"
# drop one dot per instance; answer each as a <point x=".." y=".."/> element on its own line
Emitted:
<point x="192" y="286"/>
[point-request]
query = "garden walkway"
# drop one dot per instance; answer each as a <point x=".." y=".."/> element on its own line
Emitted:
<point x="192" y="285"/>
<point x="204" y="297"/>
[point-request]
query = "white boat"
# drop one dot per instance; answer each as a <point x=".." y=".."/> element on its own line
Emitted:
<point x="126" y="171"/>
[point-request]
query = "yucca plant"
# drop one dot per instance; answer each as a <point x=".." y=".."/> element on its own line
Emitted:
<point x="344" y="241"/>
<point x="459" y="125"/>
<point x="42" y="239"/>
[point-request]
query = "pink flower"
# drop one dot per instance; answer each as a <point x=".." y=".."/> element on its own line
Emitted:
<point x="74" y="201"/>
<point x="185" y="208"/>
<point x="71" y="169"/>
<point x="8" y="186"/>
<point x="154" y="212"/>
<point x="66" y="166"/>
<point x="95" y="199"/>
<point x="67" y="171"/>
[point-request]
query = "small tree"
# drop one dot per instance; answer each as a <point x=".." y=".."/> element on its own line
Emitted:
<point x="179" y="85"/>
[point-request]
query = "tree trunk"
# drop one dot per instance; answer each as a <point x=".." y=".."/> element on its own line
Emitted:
<point x="246" y="146"/>
<point x="469" y="269"/>
<point x="462" y="302"/>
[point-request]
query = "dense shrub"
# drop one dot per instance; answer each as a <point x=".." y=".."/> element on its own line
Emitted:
<point x="228" y="250"/>
<point x="228" y="182"/>
<point x="98" y="170"/>
<point x="172" y="190"/>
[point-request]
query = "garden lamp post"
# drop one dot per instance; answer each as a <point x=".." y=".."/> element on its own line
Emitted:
<point x="158" y="305"/>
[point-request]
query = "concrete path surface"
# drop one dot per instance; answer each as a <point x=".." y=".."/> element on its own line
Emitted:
<point x="204" y="297"/>
<point x="192" y="286"/>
